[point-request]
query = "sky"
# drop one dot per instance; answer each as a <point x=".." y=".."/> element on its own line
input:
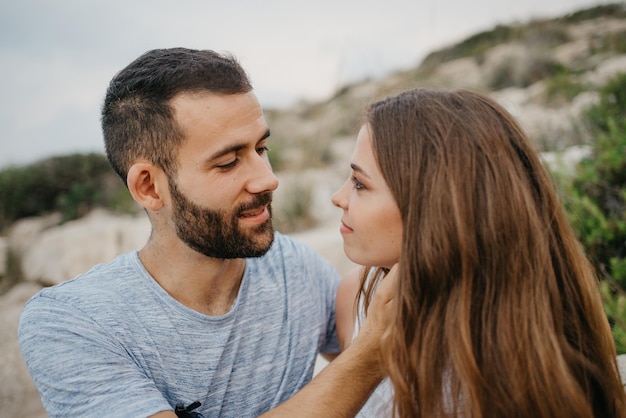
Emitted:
<point x="58" y="56"/>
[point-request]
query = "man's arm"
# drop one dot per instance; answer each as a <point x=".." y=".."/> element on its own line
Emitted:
<point x="164" y="414"/>
<point x="78" y="367"/>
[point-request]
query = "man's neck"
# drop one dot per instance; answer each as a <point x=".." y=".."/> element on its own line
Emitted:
<point x="207" y="285"/>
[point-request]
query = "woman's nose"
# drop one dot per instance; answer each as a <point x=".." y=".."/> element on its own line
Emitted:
<point x="338" y="199"/>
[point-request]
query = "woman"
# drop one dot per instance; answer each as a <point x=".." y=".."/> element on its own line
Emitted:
<point x="497" y="310"/>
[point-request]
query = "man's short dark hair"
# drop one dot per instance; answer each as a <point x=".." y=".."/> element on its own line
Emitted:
<point x="137" y="119"/>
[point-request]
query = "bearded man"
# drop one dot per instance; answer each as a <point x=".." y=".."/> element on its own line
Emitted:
<point x="217" y="315"/>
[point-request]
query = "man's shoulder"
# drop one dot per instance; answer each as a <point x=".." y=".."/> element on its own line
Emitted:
<point x="100" y="282"/>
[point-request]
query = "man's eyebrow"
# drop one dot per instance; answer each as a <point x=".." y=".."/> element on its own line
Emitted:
<point x="359" y="170"/>
<point x="235" y="147"/>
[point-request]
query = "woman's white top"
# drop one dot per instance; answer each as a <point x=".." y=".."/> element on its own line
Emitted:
<point x="380" y="403"/>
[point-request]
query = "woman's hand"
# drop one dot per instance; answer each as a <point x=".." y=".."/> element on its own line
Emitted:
<point x="380" y="311"/>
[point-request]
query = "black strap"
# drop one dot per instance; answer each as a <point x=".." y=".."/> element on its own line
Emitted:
<point x="183" y="411"/>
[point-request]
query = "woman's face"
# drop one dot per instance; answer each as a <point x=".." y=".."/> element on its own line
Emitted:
<point x="371" y="225"/>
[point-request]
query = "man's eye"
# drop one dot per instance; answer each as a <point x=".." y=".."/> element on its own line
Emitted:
<point x="262" y="150"/>
<point x="229" y="165"/>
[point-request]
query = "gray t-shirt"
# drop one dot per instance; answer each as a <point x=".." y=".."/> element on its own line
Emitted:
<point x="113" y="343"/>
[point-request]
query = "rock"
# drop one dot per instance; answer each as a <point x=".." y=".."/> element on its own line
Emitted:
<point x="25" y="231"/>
<point x="461" y="72"/>
<point x="4" y="256"/>
<point x="565" y="162"/>
<point x="621" y="363"/>
<point x="18" y="395"/>
<point x="63" y="251"/>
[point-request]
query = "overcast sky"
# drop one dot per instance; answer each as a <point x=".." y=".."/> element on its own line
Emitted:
<point x="58" y="56"/>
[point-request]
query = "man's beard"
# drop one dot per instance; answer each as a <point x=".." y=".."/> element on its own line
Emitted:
<point x="216" y="233"/>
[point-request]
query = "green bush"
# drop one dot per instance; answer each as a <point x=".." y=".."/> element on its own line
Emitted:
<point x="474" y="46"/>
<point x="596" y="202"/>
<point x="517" y="73"/>
<point x="563" y="86"/>
<point x="295" y="213"/>
<point x="613" y="42"/>
<point x="71" y="184"/>
<point x="276" y="155"/>
<point x="614" y="10"/>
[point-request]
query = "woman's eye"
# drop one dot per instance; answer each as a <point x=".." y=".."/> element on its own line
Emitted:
<point x="357" y="184"/>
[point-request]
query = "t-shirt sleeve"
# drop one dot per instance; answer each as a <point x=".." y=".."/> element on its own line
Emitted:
<point x="324" y="280"/>
<point x="331" y="344"/>
<point x="79" y="368"/>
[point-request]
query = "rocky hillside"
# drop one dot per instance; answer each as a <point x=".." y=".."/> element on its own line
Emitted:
<point x="545" y="72"/>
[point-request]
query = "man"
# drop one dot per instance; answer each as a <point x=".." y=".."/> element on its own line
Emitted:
<point x="216" y="314"/>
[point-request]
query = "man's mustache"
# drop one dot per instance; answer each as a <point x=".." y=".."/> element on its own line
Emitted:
<point x="263" y="199"/>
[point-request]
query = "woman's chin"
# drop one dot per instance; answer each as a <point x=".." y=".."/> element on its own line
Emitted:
<point x="365" y="259"/>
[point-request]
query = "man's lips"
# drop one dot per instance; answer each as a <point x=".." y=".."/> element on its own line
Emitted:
<point x="255" y="216"/>
<point x="253" y="212"/>
<point x="256" y="207"/>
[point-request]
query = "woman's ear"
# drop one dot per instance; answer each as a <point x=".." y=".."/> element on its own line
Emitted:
<point x="146" y="184"/>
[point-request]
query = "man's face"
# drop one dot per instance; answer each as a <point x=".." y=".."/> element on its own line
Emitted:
<point x="221" y="194"/>
<point x="216" y="233"/>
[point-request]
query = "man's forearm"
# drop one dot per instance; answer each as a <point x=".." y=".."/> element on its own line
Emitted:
<point x="341" y="388"/>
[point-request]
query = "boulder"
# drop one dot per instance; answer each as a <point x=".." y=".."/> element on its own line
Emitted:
<point x="621" y="363"/>
<point x="62" y="252"/>
<point x="18" y="395"/>
<point x="26" y="231"/>
<point x="4" y="256"/>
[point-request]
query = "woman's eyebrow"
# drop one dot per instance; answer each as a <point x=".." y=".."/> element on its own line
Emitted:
<point x="359" y="170"/>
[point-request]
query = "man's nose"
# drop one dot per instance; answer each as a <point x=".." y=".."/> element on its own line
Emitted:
<point x="262" y="178"/>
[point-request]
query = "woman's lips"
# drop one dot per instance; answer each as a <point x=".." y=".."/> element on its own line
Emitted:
<point x="345" y="229"/>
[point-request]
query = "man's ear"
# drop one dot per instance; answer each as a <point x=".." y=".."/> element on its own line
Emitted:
<point x="147" y="185"/>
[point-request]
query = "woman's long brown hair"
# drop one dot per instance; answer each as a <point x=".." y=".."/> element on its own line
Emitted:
<point x="498" y="311"/>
